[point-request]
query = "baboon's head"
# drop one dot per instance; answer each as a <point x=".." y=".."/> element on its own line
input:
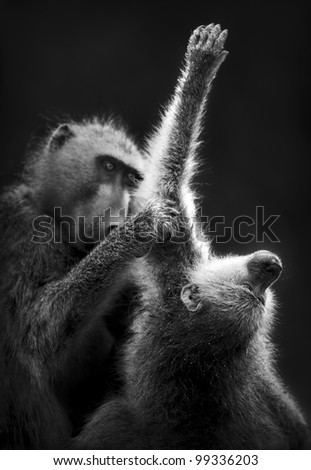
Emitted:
<point x="229" y="299"/>
<point x="90" y="172"/>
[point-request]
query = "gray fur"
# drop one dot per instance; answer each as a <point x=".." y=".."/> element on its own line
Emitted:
<point x="53" y="295"/>
<point x="201" y="377"/>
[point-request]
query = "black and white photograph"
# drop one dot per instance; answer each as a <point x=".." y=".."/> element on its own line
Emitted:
<point x="154" y="226"/>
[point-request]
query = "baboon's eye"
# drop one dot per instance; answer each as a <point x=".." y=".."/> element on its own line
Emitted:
<point x="248" y="286"/>
<point x="109" y="167"/>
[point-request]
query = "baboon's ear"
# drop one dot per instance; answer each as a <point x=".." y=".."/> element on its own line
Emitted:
<point x="60" y="136"/>
<point x="190" y="296"/>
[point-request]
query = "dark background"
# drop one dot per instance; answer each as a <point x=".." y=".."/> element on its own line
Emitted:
<point x="85" y="58"/>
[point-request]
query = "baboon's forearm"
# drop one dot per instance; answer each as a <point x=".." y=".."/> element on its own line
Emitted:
<point x="65" y="306"/>
<point x="178" y="136"/>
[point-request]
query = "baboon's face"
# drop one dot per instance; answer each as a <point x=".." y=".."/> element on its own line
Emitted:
<point x="230" y="297"/>
<point x="111" y="201"/>
<point x="92" y="174"/>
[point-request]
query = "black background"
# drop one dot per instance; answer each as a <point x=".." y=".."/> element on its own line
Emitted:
<point x="83" y="58"/>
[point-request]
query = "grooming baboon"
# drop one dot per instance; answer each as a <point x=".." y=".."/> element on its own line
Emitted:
<point x="198" y="369"/>
<point x="53" y="294"/>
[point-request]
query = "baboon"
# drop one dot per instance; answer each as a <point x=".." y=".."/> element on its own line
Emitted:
<point x="198" y="368"/>
<point x="63" y="272"/>
<point x="53" y="294"/>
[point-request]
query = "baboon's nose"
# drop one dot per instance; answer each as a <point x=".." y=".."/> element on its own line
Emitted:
<point x="264" y="268"/>
<point x="273" y="267"/>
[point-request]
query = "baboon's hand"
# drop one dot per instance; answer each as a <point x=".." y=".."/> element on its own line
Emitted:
<point x="159" y="219"/>
<point x="206" y="47"/>
<point x="166" y="216"/>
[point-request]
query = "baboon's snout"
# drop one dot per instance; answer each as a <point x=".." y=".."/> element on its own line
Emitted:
<point x="264" y="268"/>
